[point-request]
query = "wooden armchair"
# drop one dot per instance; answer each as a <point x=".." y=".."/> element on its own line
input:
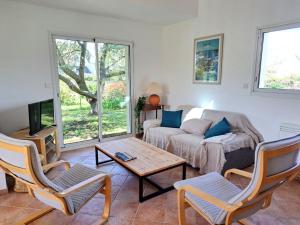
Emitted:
<point x="221" y="202"/>
<point x="68" y="192"/>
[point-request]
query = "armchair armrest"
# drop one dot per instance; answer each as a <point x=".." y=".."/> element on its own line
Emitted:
<point x="81" y="185"/>
<point x="55" y="164"/>
<point x="238" y="172"/>
<point x="151" y="123"/>
<point x="209" y="198"/>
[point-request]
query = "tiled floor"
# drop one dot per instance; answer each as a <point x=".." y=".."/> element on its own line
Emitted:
<point x="126" y="210"/>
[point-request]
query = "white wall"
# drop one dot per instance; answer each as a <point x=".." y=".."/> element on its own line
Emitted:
<point x="25" y="55"/>
<point x="238" y="19"/>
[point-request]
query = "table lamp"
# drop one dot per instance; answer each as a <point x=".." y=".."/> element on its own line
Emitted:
<point x="154" y="90"/>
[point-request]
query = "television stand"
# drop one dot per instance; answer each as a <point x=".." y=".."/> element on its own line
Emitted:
<point x="46" y="142"/>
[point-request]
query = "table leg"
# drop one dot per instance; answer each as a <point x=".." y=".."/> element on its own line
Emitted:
<point x="184" y="171"/>
<point x="161" y="190"/>
<point x="141" y="189"/>
<point x="96" y="156"/>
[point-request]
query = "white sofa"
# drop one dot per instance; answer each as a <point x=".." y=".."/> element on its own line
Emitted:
<point x="201" y="153"/>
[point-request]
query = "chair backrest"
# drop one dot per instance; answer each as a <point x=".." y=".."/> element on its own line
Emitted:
<point x="20" y="159"/>
<point x="275" y="163"/>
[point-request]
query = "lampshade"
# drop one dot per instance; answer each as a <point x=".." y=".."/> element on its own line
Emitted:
<point x="154" y="88"/>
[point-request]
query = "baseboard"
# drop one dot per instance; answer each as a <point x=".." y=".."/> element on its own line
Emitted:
<point x="3" y="191"/>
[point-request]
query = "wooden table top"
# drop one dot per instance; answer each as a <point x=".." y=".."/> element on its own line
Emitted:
<point x="150" y="159"/>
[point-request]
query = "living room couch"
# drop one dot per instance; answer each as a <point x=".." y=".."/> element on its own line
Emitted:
<point x="207" y="154"/>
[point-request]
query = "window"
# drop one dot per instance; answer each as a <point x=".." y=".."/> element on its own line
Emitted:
<point x="278" y="59"/>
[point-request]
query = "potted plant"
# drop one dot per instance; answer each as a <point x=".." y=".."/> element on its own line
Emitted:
<point x="137" y="109"/>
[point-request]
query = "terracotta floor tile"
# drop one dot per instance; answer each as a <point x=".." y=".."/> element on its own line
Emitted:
<point x="11" y="215"/>
<point x="118" y="221"/>
<point x="193" y="218"/>
<point x="85" y="219"/>
<point x="55" y="217"/>
<point x="115" y="189"/>
<point x="129" y="194"/>
<point x="118" y="179"/>
<point x="120" y="170"/>
<point x="36" y="204"/>
<point x="15" y="199"/>
<point x="129" y="190"/>
<point x="290" y="221"/>
<point x="124" y="210"/>
<point x="145" y="222"/>
<point x="93" y="207"/>
<point x="108" y="167"/>
<point x="152" y="210"/>
<point x="266" y="219"/>
<point x="131" y="181"/>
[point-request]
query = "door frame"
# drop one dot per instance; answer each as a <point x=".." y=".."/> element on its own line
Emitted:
<point x="56" y="88"/>
<point x="130" y="77"/>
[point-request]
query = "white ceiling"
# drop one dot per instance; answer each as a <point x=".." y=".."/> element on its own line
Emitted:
<point x="161" y="12"/>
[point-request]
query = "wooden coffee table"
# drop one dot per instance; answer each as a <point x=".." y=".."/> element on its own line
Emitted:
<point x="150" y="160"/>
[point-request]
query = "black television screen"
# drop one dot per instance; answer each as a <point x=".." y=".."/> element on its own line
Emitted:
<point x="41" y="115"/>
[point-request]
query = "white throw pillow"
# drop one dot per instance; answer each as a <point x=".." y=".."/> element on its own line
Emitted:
<point x="196" y="126"/>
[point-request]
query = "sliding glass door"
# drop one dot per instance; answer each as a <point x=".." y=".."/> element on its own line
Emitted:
<point x="113" y="62"/>
<point x="93" y="88"/>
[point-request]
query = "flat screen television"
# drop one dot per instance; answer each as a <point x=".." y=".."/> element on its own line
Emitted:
<point x="41" y="116"/>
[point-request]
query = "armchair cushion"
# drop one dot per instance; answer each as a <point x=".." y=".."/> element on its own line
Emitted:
<point x="75" y="175"/>
<point x="215" y="185"/>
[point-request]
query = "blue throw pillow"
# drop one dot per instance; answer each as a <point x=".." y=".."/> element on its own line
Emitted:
<point x="171" y="118"/>
<point x="223" y="127"/>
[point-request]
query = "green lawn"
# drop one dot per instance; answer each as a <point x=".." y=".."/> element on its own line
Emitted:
<point x="79" y="124"/>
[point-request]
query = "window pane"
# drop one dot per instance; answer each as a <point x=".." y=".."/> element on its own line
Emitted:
<point x="78" y="89"/>
<point x="115" y="89"/>
<point x="280" y="62"/>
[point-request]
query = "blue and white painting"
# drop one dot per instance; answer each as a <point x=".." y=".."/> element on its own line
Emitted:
<point x="208" y="59"/>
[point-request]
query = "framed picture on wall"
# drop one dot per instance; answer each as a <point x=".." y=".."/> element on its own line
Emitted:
<point x="208" y="54"/>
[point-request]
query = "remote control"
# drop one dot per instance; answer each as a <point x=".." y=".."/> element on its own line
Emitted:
<point x="122" y="156"/>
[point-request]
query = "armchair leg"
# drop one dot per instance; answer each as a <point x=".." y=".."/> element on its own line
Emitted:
<point x="35" y="216"/>
<point x="107" y="204"/>
<point x="181" y="206"/>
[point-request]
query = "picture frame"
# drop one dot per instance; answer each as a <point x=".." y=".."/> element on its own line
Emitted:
<point x="207" y="59"/>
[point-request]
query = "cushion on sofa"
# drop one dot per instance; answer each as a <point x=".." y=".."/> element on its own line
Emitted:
<point x="196" y="126"/>
<point x="171" y="118"/>
<point x="220" y="128"/>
